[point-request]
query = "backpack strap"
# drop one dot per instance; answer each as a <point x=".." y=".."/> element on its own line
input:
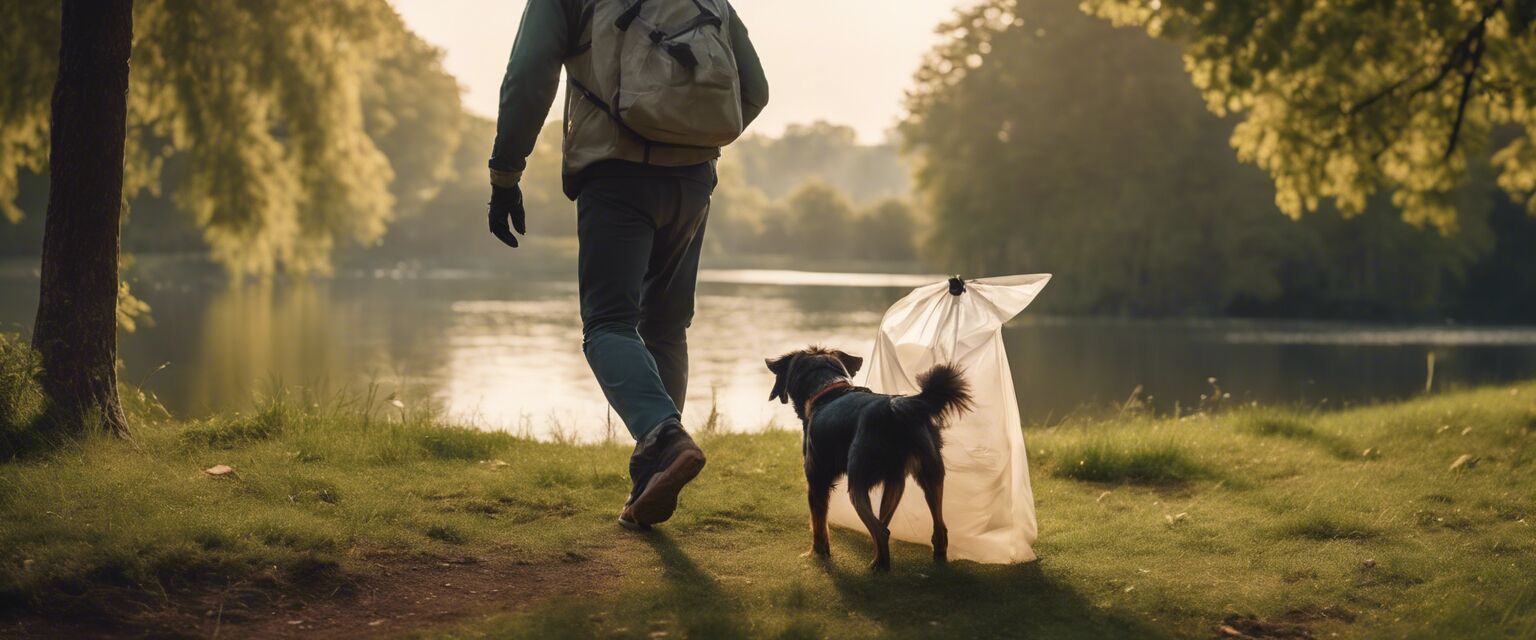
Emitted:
<point x="706" y="17"/>
<point x="628" y="17"/>
<point x="580" y="31"/>
<point x="702" y="20"/>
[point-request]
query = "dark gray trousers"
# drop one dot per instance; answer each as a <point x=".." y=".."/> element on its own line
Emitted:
<point x="639" y="263"/>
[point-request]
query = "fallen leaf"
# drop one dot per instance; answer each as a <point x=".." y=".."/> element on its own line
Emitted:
<point x="219" y="470"/>
<point x="1464" y="462"/>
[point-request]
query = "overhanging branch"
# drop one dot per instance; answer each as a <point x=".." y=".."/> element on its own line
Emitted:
<point x="1461" y="53"/>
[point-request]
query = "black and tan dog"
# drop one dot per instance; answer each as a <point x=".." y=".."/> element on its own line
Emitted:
<point x="874" y="439"/>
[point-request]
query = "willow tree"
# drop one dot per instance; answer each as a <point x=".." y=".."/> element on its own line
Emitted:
<point x="261" y="109"/>
<point x="1340" y="100"/>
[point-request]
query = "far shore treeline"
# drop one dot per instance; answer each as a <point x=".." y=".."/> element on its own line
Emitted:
<point x="1049" y="141"/>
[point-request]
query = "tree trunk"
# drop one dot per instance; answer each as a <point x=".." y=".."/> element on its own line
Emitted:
<point x="76" y="329"/>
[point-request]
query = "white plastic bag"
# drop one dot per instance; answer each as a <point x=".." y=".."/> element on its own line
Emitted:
<point x="988" y="505"/>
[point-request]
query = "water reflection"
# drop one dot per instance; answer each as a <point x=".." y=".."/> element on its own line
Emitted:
<point x="506" y="354"/>
<point x="287" y="334"/>
<point x="1069" y="365"/>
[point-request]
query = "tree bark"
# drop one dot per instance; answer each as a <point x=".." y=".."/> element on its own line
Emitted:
<point x="76" y="328"/>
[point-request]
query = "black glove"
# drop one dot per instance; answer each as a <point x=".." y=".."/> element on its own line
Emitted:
<point x="507" y="202"/>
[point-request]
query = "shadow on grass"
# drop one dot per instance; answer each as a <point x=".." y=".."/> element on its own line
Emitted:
<point x="693" y="597"/>
<point x="1323" y="527"/>
<point x="1292" y="428"/>
<point x="919" y="599"/>
<point x="688" y="603"/>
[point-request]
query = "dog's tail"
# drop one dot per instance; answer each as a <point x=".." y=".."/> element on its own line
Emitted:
<point x="944" y="395"/>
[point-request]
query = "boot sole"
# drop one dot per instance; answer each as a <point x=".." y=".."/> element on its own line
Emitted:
<point x="659" y="499"/>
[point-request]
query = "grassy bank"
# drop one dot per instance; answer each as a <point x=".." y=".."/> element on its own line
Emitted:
<point x="347" y="519"/>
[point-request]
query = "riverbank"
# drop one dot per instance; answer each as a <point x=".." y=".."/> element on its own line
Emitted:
<point x="341" y="517"/>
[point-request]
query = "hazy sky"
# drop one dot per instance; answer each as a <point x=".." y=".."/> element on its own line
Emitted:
<point x="845" y="61"/>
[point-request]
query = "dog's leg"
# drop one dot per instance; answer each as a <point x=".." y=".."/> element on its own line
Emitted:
<point x="890" y="496"/>
<point x="877" y="530"/>
<point x="819" y="495"/>
<point x="931" y="479"/>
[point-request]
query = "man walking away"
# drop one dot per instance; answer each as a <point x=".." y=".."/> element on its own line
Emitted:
<point x="655" y="88"/>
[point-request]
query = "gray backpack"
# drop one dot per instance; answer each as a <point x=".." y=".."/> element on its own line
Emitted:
<point x="664" y="71"/>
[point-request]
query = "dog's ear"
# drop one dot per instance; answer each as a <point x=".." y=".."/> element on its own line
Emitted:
<point x="780" y="368"/>
<point x="850" y="362"/>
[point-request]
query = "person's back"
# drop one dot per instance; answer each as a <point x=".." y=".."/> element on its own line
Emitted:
<point x="654" y="87"/>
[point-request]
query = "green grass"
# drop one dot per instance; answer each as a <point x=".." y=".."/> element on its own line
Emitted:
<point x="1148" y="527"/>
<point x="1282" y="425"/>
<point x="1128" y="461"/>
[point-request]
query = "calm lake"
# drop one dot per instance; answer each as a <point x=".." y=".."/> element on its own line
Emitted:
<point x="506" y="354"/>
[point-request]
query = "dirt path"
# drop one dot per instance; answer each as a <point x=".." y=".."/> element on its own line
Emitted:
<point x="385" y="597"/>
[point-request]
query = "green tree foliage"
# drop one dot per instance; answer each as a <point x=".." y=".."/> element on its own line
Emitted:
<point x="819" y="217"/>
<point x="887" y="232"/>
<point x="412" y="113"/>
<point x="813" y="219"/>
<point x="450" y="228"/>
<point x="1047" y="140"/>
<point x="279" y="126"/>
<point x="832" y="153"/>
<point x="29" y="55"/>
<point x="1344" y="99"/>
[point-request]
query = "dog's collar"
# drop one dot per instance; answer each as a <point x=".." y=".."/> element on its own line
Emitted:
<point x="810" y="405"/>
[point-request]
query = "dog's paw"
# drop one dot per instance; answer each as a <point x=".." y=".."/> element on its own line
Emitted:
<point x="880" y="565"/>
<point x="823" y="555"/>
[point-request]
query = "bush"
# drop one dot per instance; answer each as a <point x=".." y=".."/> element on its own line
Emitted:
<point x="21" y="396"/>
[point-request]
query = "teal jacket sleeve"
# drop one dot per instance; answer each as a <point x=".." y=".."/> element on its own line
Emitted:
<point x="528" y="90"/>
<point x="754" y="82"/>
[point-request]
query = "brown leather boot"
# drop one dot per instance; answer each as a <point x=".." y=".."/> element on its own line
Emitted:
<point x="663" y="463"/>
